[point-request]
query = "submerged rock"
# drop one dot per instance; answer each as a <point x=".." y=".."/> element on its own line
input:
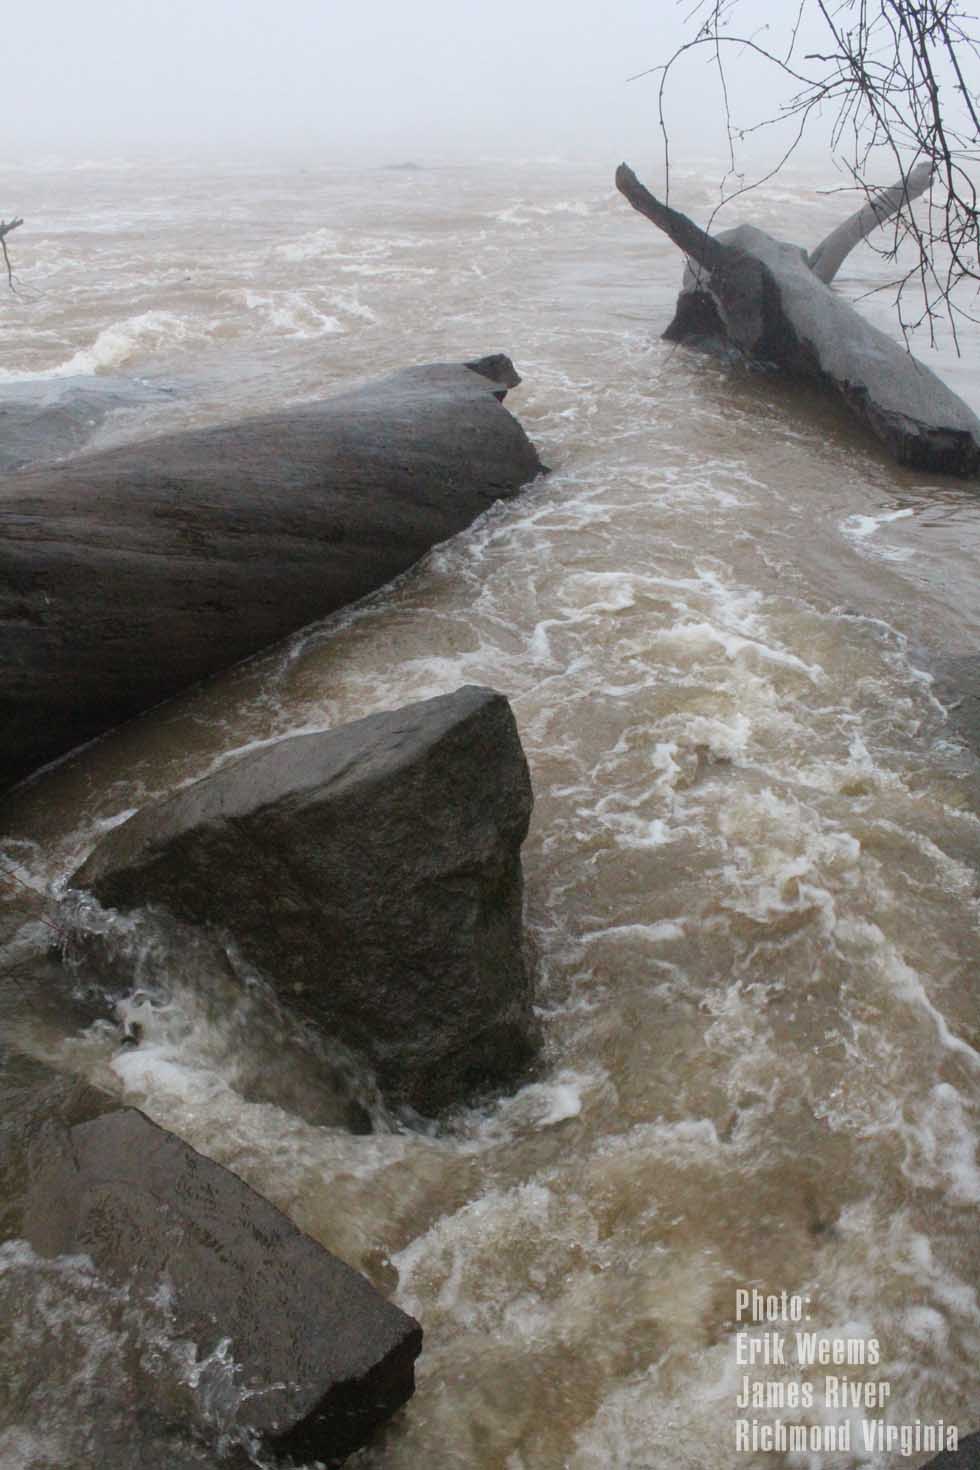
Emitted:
<point x="957" y="686"/>
<point x="44" y="418"/>
<point x="128" y="575"/>
<point x="373" y="874"/>
<point x="322" y="1359"/>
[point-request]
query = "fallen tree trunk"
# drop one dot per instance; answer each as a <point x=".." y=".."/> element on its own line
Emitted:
<point x="759" y="297"/>
<point x="831" y="253"/>
<point x="129" y="575"/>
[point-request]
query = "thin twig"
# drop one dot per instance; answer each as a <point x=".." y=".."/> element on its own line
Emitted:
<point x="900" y="75"/>
<point x="5" y="228"/>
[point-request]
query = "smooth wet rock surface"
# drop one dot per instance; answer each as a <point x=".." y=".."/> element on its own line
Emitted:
<point x="129" y="575"/>
<point x="322" y="1358"/>
<point x="31" y="1095"/>
<point x="373" y="874"/>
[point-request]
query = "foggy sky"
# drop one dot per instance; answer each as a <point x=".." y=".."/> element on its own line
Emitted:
<point x="360" y="79"/>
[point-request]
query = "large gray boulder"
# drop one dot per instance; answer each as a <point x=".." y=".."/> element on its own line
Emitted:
<point x="322" y="1357"/>
<point x="128" y="575"/>
<point x="373" y="874"/>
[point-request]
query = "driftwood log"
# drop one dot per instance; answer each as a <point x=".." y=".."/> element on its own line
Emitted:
<point x="128" y="575"/>
<point x="771" y="303"/>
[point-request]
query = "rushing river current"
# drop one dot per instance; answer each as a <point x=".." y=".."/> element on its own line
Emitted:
<point x="752" y="868"/>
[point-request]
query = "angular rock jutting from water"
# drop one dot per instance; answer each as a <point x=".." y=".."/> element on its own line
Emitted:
<point x="766" y="300"/>
<point x="322" y="1359"/>
<point x="129" y="575"/>
<point x="372" y="873"/>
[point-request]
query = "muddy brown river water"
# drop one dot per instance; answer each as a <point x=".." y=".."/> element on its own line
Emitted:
<point x="751" y="874"/>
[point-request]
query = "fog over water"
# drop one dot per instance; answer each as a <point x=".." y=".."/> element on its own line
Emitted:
<point x="378" y="81"/>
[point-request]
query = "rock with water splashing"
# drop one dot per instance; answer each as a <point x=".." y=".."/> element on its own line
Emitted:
<point x="373" y="874"/>
<point x="42" y="419"/>
<point x="291" y="1344"/>
<point x="129" y="575"/>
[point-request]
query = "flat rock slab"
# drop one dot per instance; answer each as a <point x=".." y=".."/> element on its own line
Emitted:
<point x="324" y="1358"/>
<point x="373" y="874"/>
<point x="129" y="575"/>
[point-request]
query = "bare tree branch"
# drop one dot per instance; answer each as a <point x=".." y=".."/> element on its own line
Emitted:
<point x="5" y="229"/>
<point x="898" y="75"/>
<point x="686" y="235"/>
<point x="826" y="260"/>
<point x="756" y="297"/>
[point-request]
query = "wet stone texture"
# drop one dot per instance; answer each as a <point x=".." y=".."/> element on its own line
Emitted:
<point x="129" y="575"/>
<point x="965" y="1457"/>
<point x="42" y="419"/>
<point x="322" y="1358"/>
<point x="372" y="873"/>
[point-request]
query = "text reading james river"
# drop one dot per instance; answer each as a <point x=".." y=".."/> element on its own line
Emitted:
<point x="778" y="1359"/>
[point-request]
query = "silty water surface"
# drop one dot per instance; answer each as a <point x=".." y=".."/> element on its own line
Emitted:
<point x="751" y="873"/>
